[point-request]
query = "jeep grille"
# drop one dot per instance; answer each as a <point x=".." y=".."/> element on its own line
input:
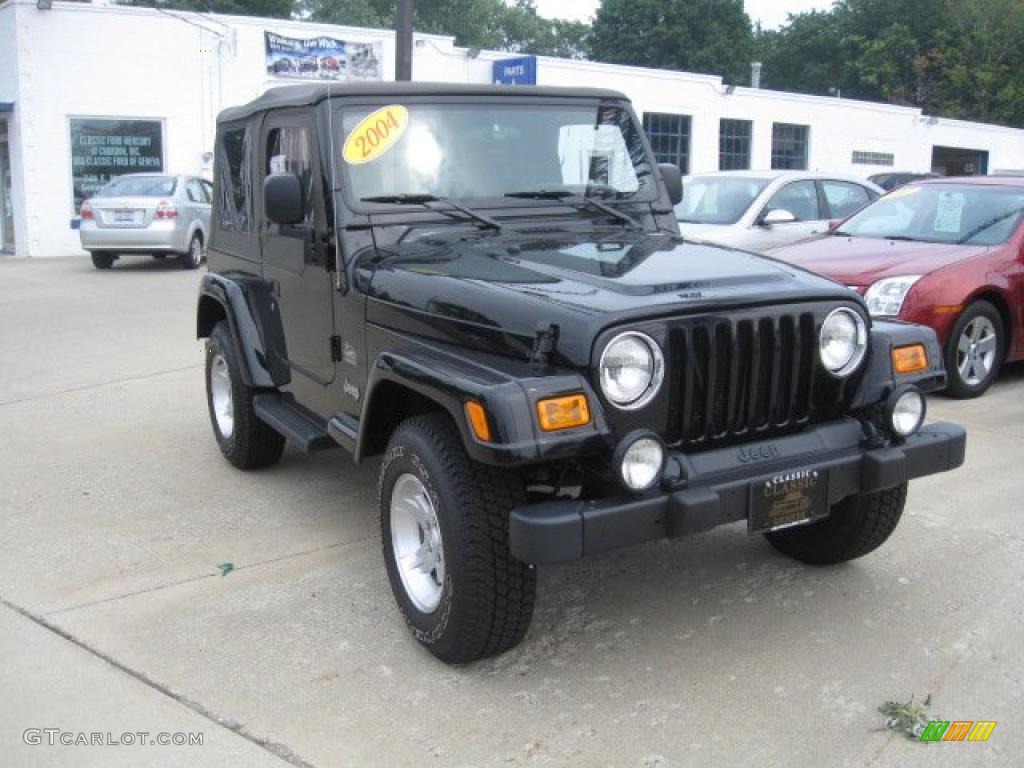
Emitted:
<point x="748" y="375"/>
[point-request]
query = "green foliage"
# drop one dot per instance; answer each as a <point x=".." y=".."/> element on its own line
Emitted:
<point x="275" y="9"/>
<point x="909" y="717"/>
<point x="711" y="36"/>
<point x="492" y="24"/>
<point x="961" y="58"/>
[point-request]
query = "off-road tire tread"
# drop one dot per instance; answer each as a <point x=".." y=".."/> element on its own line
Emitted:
<point x="858" y="525"/>
<point x="499" y="590"/>
<point x="254" y="444"/>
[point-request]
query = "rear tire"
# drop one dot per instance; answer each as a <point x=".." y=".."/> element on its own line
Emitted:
<point x="457" y="585"/>
<point x="974" y="351"/>
<point x="245" y="441"/>
<point x="102" y="259"/>
<point x="193" y="257"/>
<point x="858" y="525"/>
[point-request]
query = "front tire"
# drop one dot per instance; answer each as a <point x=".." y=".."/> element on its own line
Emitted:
<point x="858" y="525"/>
<point x="193" y="257"/>
<point x="444" y="525"/>
<point x="245" y="441"/>
<point x="974" y="351"/>
<point x="102" y="259"/>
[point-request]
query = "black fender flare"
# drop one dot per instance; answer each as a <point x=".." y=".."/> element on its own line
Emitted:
<point x="509" y="398"/>
<point x="879" y="379"/>
<point x="256" y="329"/>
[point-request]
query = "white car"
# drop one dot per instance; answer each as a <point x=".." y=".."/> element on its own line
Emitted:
<point x="148" y="213"/>
<point x="758" y="210"/>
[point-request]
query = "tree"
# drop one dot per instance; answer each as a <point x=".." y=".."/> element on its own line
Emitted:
<point x="275" y="9"/>
<point x="711" y="36"/>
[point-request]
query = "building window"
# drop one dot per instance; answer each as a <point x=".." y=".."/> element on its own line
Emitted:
<point x="670" y="138"/>
<point x="873" y="158"/>
<point x="789" y="147"/>
<point x="102" y="149"/>
<point x="734" y="145"/>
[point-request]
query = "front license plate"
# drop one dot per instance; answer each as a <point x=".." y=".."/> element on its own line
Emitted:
<point x="790" y="498"/>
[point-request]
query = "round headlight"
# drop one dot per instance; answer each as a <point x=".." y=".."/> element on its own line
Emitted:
<point x="631" y="369"/>
<point x="843" y="341"/>
<point x="641" y="461"/>
<point x="906" y="411"/>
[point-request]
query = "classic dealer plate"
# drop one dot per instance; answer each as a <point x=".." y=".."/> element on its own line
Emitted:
<point x="786" y="499"/>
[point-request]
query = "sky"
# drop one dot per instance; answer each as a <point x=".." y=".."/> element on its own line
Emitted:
<point x="771" y="13"/>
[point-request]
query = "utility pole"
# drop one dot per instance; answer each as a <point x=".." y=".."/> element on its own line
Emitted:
<point x="403" y="40"/>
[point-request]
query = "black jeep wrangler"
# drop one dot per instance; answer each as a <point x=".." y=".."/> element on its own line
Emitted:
<point x="486" y="286"/>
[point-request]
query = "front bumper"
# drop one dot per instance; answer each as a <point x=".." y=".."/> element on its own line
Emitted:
<point x="718" y="487"/>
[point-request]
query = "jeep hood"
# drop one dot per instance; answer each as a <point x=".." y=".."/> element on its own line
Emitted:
<point x="501" y="286"/>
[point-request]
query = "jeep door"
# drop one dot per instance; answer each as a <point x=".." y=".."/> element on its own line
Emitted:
<point x="294" y="258"/>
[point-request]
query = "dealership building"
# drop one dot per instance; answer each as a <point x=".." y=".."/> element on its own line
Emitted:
<point x="89" y="90"/>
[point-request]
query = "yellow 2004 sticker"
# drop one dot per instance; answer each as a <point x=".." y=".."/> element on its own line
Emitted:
<point x="375" y="134"/>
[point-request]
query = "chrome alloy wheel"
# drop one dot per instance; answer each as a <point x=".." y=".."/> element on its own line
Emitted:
<point x="220" y="396"/>
<point x="416" y="543"/>
<point x="976" y="351"/>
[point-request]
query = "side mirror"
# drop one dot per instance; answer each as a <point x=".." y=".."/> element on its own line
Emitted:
<point x="778" y="216"/>
<point x="673" y="181"/>
<point x="834" y="224"/>
<point x="282" y="198"/>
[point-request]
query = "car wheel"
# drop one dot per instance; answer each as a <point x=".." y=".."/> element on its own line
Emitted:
<point x="102" y="259"/>
<point x="245" y="441"/>
<point x="974" y="351"/>
<point x="444" y="525"/>
<point x="858" y="525"/>
<point x="192" y="258"/>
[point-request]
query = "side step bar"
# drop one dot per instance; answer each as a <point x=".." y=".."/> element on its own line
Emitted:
<point x="298" y="425"/>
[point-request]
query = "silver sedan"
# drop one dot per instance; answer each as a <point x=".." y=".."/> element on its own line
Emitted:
<point x="758" y="210"/>
<point x="146" y="213"/>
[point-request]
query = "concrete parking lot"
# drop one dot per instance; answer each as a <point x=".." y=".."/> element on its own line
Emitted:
<point x="117" y="510"/>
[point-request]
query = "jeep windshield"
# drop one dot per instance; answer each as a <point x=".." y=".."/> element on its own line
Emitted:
<point x="492" y="154"/>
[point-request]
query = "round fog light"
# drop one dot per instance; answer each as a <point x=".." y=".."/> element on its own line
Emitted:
<point x="906" y="411"/>
<point x="641" y="461"/>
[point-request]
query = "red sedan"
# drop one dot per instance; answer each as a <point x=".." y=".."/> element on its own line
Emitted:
<point x="948" y="253"/>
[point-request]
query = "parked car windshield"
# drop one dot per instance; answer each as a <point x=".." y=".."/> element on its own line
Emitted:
<point x="139" y="186"/>
<point x="490" y="151"/>
<point x="721" y="200"/>
<point x="941" y="213"/>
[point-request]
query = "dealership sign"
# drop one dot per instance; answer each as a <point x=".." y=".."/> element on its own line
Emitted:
<point x="519" y="71"/>
<point x="322" y="58"/>
<point x="103" y="148"/>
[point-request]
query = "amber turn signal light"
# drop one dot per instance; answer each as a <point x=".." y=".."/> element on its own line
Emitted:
<point x="911" y="359"/>
<point x="478" y="421"/>
<point x="563" y="412"/>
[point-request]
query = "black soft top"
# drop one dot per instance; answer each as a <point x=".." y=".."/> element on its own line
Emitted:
<point x="306" y="95"/>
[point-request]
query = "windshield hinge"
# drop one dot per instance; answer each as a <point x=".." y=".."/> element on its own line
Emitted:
<point x="543" y="342"/>
<point x="335" y="349"/>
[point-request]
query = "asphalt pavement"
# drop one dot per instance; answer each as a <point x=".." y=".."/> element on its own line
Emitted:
<point x="118" y="514"/>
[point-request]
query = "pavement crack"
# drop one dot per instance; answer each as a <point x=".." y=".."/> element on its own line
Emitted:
<point x="278" y="750"/>
<point x="205" y="576"/>
<point x="98" y="385"/>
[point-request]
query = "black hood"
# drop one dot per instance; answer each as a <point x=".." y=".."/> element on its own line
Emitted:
<point x="494" y="289"/>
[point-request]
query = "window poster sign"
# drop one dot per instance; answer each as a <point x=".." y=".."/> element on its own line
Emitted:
<point x="103" y="148"/>
<point x="322" y="58"/>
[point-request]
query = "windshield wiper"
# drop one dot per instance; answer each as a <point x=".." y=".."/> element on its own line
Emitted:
<point x="579" y="202"/>
<point x="425" y="200"/>
<point x="990" y="223"/>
